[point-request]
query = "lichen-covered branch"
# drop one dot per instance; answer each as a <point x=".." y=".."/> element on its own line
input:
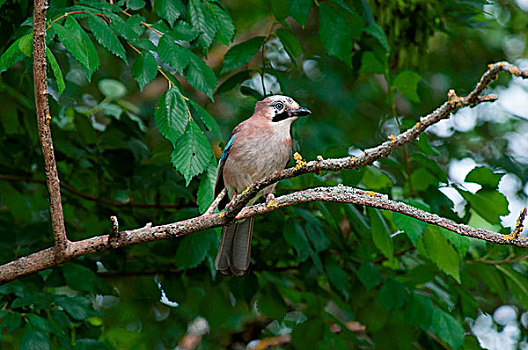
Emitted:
<point x="43" y="121"/>
<point x="45" y="259"/>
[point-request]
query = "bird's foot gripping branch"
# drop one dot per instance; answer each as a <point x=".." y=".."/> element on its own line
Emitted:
<point x="47" y="258"/>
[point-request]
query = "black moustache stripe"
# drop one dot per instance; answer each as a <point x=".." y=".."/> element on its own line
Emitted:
<point x="281" y="116"/>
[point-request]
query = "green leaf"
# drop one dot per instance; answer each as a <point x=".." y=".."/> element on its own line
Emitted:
<point x="308" y="333"/>
<point x="407" y="83"/>
<point x="377" y="32"/>
<point x="175" y="55"/>
<point x="201" y="76"/>
<point x="76" y="307"/>
<point x="299" y="10"/>
<point x="206" y="118"/>
<point x="169" y="10"/>
<point x="433" y="245"/>
<point x="241" y="54"/>
<point x="233" y="81"/>
<point x="123" y="28"/>
<point x="517" y="284"/>
<point x="10" y="320"/>
<point x="337" y="31"/>
<point x="290" y="43"/>
<point x="79" y="277"/>
<point x="380" y="233"/>
<point x="419" y="311"/>
<point x="78" y="43"/>
<point x="183" y="31"/>
<point x="192" y="153"/>
<point x="491" y="205"/>
<point x="193" y="248"/>
<point x="39" y="323"/>
<point x="33" y="339"/>
<point x="369" y="275"/>
<point x="144" y="69"/>
<point x="13" y="54"/>
<point x="112" y="89"/>
<point x="492" y="278"/>
<point x="201" y="19"/>
<point x="224" y="23"/>
<point x="370" y="64"/>
<point x="485" y="177"/>
<point x="26" y="45"/>
<point x="338" y="277"/>
<point x="295" y="237"/>
<point x="422" y="179"/>
<point x="447" y="328"/>
<point x="205" y="195"/>
<point x="135" y="4"/>
<point x="106" y="36"/>
<point x="461" y="243"/>
<point x="171" y="114"/>
<point x="55" y="68"/>
<point x="270" y="302"/>
<point x="392" y="295"/>
<point x="412" y="227"/>
<point x="375" y="179"/>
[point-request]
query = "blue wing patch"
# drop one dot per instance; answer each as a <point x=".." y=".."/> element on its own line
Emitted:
<point x="226" y="149"/>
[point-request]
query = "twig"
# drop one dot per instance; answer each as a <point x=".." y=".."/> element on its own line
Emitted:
<point x="215" y="203"/>
<point x="519" y="226"/>
<point x="43" y="121"/>
<point x="45" y="258"/>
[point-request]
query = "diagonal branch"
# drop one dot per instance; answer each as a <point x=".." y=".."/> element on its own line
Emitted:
<point x="46" y="258"/>
<point x="43" y="121"/>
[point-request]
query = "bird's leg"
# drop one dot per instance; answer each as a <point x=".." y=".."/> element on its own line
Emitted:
<point x="271" y="202"/>
<point x="231" y="202"/>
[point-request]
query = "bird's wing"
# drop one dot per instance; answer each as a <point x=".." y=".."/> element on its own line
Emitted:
<point x="220" y="171"/>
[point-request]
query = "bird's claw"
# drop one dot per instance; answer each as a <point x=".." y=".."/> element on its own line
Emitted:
<point x="298" y="161"/>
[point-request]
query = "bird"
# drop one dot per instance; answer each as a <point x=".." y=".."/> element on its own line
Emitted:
<point x="258" y="147"/>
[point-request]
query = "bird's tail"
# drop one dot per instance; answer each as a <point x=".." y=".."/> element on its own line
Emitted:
<point x="235" y="249"/>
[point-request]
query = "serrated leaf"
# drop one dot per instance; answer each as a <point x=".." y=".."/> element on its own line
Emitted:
<point x="337" y="32"/>
<point x="135" y="4"/>
<point x="55" y="68"/>
<point x="33" y="339"/>
<point x="433" y="245"/>
<point x="419" y="311"/>
<point x="299" y="10"/>
<point x="175" y="55"/>
<point x="380" y="233"/>
<point x="412" y="227"/>
<point x="205" y="195"/>
<point x="290" y="43"/>
<point x="369" y="275"/>
<point x="270" y="302"/>
<point x="392" y="295"/>
<point x="123" y="28"/>
<point x="491" y="205"/>
<point x="202" y="19"/>
<point x="241" y="54"/>
<point x="201" y="76"/>
<point x="144" y="69"/>
<point x="224" y="24"/>
<point x="377" y="32"/>
<point x="171" y="114"/>
<point x="169" y="10"/>
<point x="370" y="64"/>
<point x="78" y="44"/>
<point x="206" y="118"/>
<point x="106" y="36"/>
<point x="407" y="83"/>
<point x="193" y="248"/>
<point x="77" y="307"/>
<point x="447" y="328"/>
<point x="184" y="31"/>
<point x="485" y="177"/>
<point x="337" y="277"/>
<point x="12" y="55"/>
<point x="192" y="153"/>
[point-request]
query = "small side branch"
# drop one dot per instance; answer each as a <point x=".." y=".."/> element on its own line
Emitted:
<point x="43" y="121"/>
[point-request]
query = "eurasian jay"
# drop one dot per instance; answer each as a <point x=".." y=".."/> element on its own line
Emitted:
<point x="258" y="147"/>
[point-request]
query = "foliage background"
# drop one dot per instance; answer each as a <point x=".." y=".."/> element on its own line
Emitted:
<point x="365" y="69"/>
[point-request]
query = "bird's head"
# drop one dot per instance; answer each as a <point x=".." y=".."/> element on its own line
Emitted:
<point x="278" y="107"/>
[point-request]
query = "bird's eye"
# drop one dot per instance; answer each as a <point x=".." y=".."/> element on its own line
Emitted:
<point x="279" y="106"/>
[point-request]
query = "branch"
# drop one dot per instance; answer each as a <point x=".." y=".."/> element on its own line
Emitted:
<point x="43" y="121"/>
<point x="45" y="259"/>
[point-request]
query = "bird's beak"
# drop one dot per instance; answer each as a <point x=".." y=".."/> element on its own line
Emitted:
<point x="300" y="112"/>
